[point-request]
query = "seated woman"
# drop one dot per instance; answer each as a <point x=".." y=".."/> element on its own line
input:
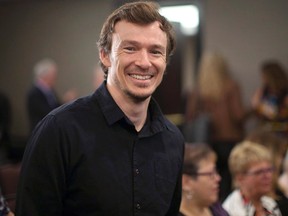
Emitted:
<point x="252" y="170"/>
<point x="200" y="183"/>
<point x="277" y="146"/>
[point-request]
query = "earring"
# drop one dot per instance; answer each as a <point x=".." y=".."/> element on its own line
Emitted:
<point x="189" y="195"/>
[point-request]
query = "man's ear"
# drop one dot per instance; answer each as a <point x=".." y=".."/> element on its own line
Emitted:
<point x="105" y="58"/>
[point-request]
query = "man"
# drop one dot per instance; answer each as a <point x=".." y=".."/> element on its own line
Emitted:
<point x="111" y="153"/>
<point x="41" y="98"/>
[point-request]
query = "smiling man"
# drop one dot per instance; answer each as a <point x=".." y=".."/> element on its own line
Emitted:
<point x="113" y="152"/>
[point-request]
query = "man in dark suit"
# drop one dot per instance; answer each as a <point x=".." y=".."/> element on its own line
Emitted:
<point x="41" y="98"/>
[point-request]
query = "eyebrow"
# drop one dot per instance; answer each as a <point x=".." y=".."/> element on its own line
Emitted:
<point x="136" y="43"/>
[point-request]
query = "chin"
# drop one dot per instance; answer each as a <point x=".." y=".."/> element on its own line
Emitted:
<point x="214" y="199"/>
<point x="140" y="96"/>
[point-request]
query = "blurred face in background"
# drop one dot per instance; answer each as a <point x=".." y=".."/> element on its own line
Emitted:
<point x="257" y="181"/>
<point x="52" y="76"/>
<point x="205" y="187"/>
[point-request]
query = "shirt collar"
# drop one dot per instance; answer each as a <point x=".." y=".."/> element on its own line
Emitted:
<point x="113" y="113"/>
<point x="108" y="106"/>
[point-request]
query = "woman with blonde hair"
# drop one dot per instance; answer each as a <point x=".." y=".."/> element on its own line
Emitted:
<point x="277" y="146"/>
<point x="218" y="95"/>
<point x="252" y="169"/>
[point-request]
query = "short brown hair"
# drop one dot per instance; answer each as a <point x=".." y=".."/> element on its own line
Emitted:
<point x="141" y="13"/>
<point x="194" y="154"/>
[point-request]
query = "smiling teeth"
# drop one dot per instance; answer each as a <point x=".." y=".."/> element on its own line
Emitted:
<point x="139" y="77"/>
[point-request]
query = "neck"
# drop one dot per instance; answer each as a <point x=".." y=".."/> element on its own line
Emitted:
<point x="137" y="115"/>
<point x="136" y="111"/>
<point x="254" y="200"/>
<point x="190" y="208"/>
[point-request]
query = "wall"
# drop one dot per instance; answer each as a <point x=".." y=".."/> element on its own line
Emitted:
<point x="247" y="33"/>
<point x="66" y="31"/>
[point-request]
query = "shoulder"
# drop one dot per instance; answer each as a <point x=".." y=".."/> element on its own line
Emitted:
<point x="170" y="124"/>
<point x="65" y="126"/>
<point x="269" y="203"/>
<point x="80" y="108"/>
<point x="73" y="114"/>
<point x="234" y="204"/>
<point x="159" y="120"/>
<point x="173" y="132"/>
<point x="218" y="210"/>
<point x="34" y="90"/>
<point x="233" y="200"/>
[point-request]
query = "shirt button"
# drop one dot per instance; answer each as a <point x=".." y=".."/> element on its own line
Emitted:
<point x="137" y="171"/>
<point x="138" y="206"/>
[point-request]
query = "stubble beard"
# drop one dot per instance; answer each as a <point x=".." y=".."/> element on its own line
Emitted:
<point x="137" y="98"/>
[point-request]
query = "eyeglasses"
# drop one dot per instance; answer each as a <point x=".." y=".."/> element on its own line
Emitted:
<point x="261" y="172"/>
<point x="211" y="174"/>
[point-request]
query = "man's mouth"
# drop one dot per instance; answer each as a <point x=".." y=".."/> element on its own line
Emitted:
<point x="141" y="77"/>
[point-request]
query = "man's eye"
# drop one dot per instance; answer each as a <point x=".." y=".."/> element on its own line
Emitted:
<point x="129" y="49"/>
<point x="157" y="52"/>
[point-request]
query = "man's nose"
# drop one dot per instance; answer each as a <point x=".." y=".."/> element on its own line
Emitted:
<point x="143" y="59"/>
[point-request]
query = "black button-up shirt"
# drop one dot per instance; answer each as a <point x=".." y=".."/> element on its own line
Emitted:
<point x="87" y="159"/>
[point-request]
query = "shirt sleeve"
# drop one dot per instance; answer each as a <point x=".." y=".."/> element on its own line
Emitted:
<point x="42" y="178"/>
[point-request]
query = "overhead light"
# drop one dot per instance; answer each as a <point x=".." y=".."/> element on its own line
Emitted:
<point x="186" y="15"/>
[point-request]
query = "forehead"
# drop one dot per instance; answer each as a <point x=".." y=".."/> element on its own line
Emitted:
<point x="259" y="165"/>
<point x="149" y="33"/>
<point x="206" y="163"/>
